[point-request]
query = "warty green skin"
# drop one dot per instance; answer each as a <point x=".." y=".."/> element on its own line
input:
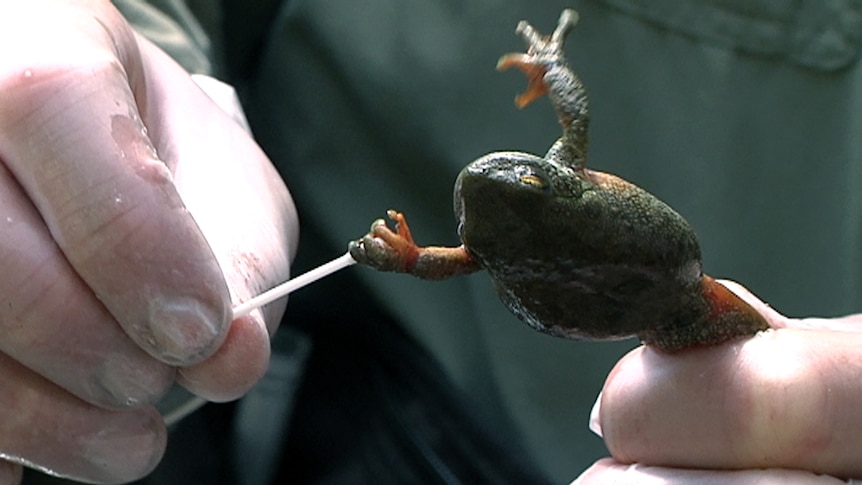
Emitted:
<point x="581" y="255"/>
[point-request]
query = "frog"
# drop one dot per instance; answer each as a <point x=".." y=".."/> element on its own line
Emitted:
<point x="572" y="252"/>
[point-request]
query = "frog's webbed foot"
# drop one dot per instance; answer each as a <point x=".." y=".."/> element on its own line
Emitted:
<point x="547" y="72"/>
<point x="536" y="87"/>
<point x="386" y="250"/>
<point x="543" y="52"/>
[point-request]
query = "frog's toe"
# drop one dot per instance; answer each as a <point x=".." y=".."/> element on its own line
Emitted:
<point x="401" y="227"/>
<point x="376" y="225"/>
<point x="535" y="72"/>
<point x="357" y="250"/>
<point x="568" y="19"/>
<point x="366" y="250"/>
<point x="377" y="253"/>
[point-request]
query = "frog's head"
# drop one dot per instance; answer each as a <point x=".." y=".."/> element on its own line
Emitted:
<point x="511" y="204"/>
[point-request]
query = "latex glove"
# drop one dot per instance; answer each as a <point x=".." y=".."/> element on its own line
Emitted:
<point x="133" y="210"/>
<point x="781" y="407"/>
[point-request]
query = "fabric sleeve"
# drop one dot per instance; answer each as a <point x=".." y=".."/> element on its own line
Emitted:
<point x="172" y="26"/>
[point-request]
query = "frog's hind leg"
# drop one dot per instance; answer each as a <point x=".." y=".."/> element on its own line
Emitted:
<point x="547" y="72"/>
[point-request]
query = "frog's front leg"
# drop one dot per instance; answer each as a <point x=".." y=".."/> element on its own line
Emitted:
<point x="387" y="250"/>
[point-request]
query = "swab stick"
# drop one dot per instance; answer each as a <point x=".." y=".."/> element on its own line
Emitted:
<point x="283" y="289"/>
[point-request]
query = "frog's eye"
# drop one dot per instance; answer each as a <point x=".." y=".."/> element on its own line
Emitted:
<point x="533" y="180"/>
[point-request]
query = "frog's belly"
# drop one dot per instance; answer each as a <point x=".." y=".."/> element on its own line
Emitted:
<point x="600" y="302"/>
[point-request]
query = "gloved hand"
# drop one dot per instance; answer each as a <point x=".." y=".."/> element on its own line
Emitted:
<point x="134" y="213"/>
<point x="781" y="407"/>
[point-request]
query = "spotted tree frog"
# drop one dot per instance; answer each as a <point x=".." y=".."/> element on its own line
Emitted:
<point x="571" y="251"/>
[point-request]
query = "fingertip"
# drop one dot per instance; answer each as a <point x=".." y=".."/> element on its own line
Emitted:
<point x="235" y="367"/>
<point x="125" y="446"/>
<point x="158" y="443"/>
<point x="129" y="450"/>
<point x="747" y="404"/>
<point x="126" y="383"/>
<point x="184" y="331"/>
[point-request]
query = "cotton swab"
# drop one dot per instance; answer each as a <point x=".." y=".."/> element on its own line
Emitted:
<point x="288" y="286"/>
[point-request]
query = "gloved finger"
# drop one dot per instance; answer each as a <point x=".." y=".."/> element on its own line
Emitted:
<point x="72" y="134"/>
<point x="237" y="365"/>
<point x="241" y="205"/>
<point x="786" y="398"/>
<point x="52" y="323"/>
<point x="610" y="472"/>
<point x="47" y="428"/>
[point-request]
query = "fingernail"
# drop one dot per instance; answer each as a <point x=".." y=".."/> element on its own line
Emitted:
<point x="595" y="418"/>
<point x="128" y="446"/>
<point x="185" y="331"/>
<point x="129" y="382"/>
